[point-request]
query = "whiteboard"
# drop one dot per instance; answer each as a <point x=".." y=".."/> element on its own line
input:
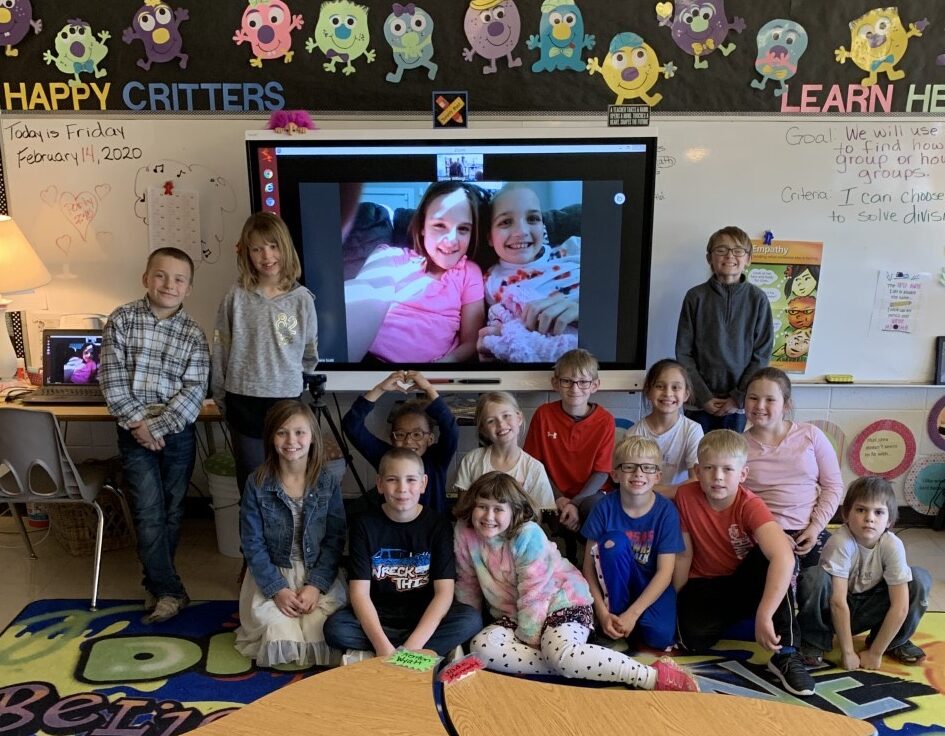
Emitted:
<point x="75" y="184"/>
<point x="792" y="177"/>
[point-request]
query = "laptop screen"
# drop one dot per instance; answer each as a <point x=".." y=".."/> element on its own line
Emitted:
<point x="71" y="357"/>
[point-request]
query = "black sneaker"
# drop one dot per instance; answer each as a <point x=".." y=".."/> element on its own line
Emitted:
<point x="792" y="673"/>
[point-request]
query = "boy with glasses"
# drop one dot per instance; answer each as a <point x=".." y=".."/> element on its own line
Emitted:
<point x="725" y="333"/>
<point x="573" y="438"/>
<point x="632" y="540"/>
<point x="412" y="425"/>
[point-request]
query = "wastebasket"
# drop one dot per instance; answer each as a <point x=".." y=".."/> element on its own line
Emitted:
<point x="221" y="480"/>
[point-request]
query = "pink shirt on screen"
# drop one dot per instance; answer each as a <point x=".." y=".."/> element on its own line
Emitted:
<point x="787" y="477"/>
<point x="426" y="328"/>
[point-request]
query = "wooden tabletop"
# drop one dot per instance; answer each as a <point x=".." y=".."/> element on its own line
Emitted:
<point x="485" y="704"/>
<point x="364" y="699"/>
<point x="99" y="412"/>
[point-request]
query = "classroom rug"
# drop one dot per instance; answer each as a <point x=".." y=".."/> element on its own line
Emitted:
<point x="67" y="670"/>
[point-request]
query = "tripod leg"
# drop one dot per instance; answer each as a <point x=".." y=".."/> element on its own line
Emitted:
<point x="322" y="411"/>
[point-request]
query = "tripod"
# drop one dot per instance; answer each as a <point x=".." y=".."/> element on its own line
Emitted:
<point x="316" y="387"/>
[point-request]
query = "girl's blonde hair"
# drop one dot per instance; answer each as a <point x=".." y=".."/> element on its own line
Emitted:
<point x="502" y="488"/>
<point x="268" y="228"/>
<point x="280" y="413"/>
<point x="494" y="397"/>
<point x="438" y="189"/>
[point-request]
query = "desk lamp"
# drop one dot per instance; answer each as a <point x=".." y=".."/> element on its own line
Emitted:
<point x="20" y="270"/>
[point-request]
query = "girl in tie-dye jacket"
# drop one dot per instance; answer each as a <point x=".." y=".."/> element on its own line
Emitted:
<point x="541" y="602"/>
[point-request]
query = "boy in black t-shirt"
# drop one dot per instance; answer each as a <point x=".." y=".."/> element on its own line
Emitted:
<point x="402" y="572"/>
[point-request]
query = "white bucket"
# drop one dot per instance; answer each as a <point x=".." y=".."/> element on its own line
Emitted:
<point x="226" y="513"/>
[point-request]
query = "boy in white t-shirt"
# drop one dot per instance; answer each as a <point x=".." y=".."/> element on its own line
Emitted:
<point x="863" y="583"/>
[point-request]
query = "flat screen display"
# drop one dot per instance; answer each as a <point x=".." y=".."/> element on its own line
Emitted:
<point x="475" y="255"/>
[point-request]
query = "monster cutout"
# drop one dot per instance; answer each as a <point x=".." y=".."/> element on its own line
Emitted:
<point x="267" y="26"/>
<point x="781" y="43"/>
<point x="877" y="43"/>
<point x="699" y="27"/>
<point x="560" y="38"/>
<point x="77" y="51"/>
<point x="409" y="31"/>
<point x="341" y="33"/>
<point x="158" y="28"/>
<point x="16" y="19"/>
<point x="493" y="28"/>
<point x="631" y="69"/>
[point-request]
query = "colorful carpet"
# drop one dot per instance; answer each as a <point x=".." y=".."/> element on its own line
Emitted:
<point x="66" y="670"/>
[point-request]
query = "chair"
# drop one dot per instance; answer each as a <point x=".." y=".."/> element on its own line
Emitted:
<point x="41" y="471"/>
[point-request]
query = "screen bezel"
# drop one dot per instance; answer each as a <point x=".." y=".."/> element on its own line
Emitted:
<point x="482" y="376"/>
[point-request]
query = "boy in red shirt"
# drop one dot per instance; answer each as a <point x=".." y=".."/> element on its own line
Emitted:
<point x="574" y="438"/>
<point x="737" y="563"/>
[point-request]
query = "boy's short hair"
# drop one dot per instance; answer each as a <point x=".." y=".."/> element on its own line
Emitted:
<point x="637" y="446"/>
<point x="503" y="488"/>
<point x="408" y="407"/>
<point x="171" y="252"/>
<point x="735" y="233"/>
<point x="399" y="453"/>
<point x="871" y="488"/>
<point x="576" y="362"/>
<point x="723" y="442"/>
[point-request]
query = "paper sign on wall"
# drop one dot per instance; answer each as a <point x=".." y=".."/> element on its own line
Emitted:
<point x="174" y="220"/>
<point x="898" y="295"/>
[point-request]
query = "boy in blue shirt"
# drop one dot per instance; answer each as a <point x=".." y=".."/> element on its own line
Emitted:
<point x="154" y="370"/>
<point x="632" y="540"/>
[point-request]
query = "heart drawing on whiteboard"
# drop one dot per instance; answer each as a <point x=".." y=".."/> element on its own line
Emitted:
<point x="49" y="195"/>
<point x="64" y="243"/>
<point x="79" y="209"/>
<point x="102" y="190"/>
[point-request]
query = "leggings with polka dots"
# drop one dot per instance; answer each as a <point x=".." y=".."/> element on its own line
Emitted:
<point x="564" y="651"/>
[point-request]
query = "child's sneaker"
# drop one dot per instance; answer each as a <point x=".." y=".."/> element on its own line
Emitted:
<point x="792" y="673"/>
<point x="166" y="607"/>
<point x="812" y="657"/>
<point x="907" y="653"/>
<point x="670" y="676"/>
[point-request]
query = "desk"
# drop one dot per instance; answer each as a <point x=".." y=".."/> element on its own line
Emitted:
<point x="99" y="412"/>
<point x="364" y="699"/>
<point x="486" y="704"/>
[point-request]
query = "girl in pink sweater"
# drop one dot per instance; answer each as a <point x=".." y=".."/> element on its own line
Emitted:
<point x="540" y="601"/>
<point x="792" y="467"/>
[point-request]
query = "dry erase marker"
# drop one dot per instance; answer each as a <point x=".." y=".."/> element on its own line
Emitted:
<point x="470" y="381"/>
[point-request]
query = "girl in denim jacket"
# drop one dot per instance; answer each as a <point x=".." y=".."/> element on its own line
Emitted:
<point x="292" y="526"/>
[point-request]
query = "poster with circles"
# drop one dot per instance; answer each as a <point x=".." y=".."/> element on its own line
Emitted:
<point x="885" y="448"/>
<point x="925" y="484"/>
<point x="936" y="424"/>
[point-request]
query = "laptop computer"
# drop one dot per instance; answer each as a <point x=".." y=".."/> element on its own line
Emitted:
<point x="70" y="368"/>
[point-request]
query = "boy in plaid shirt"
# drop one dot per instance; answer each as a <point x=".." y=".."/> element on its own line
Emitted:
<point x="154" y="370"/>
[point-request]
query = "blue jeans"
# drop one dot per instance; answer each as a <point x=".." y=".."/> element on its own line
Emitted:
<point x="158" y="483"/>
<point x="624" y="579"/>
<point x="736" y="422"/>
<point x="460" y="624"/>
<point x="867" y="609"/>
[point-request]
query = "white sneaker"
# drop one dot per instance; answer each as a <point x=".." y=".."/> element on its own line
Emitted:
<point x="353" y="656"/>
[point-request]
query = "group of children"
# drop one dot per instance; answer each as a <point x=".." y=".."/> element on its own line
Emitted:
<point x="677" y="547"/>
